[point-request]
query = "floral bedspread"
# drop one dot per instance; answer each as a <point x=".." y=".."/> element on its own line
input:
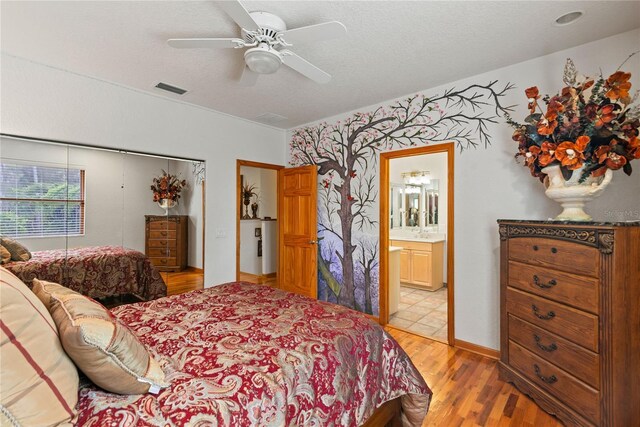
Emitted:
<point x="97" y="271"/>
<point x="248" y="355"/>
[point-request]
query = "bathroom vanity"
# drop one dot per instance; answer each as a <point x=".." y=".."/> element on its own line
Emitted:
<point x="421" y="262"/>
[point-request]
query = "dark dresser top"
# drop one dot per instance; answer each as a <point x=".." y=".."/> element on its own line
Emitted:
<point x="634" y="223"/>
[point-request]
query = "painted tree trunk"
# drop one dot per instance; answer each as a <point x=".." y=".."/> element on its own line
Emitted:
<point x="347" y="294"/>
<point x="345" y="153"/>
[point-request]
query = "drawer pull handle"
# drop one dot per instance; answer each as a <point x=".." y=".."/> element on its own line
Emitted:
<point x="550" y="284"/>
<point x="549" y="380"/>
<point x="535" y="247"/>
<point x="163" y="233"/>
<point x="548" y="348"/>
<point x="554" y="251"/>
<point x="550" y="315"/>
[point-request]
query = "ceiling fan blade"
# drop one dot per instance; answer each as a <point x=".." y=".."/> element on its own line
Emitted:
<point x="304" y="67"/>
<point x="313" y="33"/>
<point x="249" y="78"/>
<point x="204" y="43"/>
<point x="238" y="13"/>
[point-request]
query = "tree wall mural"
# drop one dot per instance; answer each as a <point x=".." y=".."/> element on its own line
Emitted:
<point x="347" y="152"/>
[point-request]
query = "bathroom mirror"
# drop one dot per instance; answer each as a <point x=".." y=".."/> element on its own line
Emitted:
<point x="414" y="205"/>
<point x="397" y="209"/>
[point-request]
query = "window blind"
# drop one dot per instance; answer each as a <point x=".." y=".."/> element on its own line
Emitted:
<point x="40" y="201"/>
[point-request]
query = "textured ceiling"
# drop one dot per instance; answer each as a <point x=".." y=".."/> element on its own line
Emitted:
<point x="392" y="48"/>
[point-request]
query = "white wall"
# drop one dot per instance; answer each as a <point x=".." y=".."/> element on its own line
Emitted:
<point x="249" y="260"/>
<point x="41" y="101"/>
<point x="266" y="186"/>
<point x="490" y="185"/>
<point x="190" y="204"/>
<point x="268" y="193"/>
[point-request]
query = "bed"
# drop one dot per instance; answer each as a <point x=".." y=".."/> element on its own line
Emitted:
<point x="249" y="355"/>
<point x="98" y="271"/>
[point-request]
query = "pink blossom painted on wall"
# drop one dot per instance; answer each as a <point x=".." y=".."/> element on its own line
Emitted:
<point x="346" y="153"/>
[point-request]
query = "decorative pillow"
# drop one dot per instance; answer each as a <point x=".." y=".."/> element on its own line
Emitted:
<point x="39" y="385"/>
<point x="17" y="250"/>
<point x="102" y="347"/>
<point x="5" y="255"/>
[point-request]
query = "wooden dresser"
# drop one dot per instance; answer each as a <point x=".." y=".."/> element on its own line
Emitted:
<point x="570" y="318"/>
<point x="166" y="241"/>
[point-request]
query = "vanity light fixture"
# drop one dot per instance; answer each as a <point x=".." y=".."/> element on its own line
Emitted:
<point x="417" y="177"/>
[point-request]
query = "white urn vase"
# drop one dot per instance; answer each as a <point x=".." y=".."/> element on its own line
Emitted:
<point x="572" y="195"/>
<point x="167" y="204"/>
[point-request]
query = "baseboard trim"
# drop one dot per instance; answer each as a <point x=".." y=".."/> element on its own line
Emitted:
<point x="398" y="328"/>
<point x="475" y="348"/>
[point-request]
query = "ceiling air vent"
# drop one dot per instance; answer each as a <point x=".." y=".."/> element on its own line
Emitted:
<point x="270" y="118"/>
<point x="170" y="88"/>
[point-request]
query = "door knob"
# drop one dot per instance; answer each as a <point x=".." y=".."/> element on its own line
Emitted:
<point x="313" y="242"/>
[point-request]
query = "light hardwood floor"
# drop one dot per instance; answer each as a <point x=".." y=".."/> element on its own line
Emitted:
<point x="465" y="385"/>
<point x="186" y="280"/>
<point x="261" y="280"/>
<point x="466" y="388"/>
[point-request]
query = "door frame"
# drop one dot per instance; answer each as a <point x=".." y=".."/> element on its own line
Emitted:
<point x="252" y="164"/>
<point x="385" y="157"/>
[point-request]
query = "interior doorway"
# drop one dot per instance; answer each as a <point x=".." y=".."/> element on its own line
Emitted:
<point x="257" y="224"/>
<point x="416" y="241"/>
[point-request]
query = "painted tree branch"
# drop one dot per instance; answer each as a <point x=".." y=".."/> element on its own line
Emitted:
<point x="346" y="153"/>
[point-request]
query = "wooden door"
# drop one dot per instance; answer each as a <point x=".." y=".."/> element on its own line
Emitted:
<point x="421" y="268"/>
<point x="298" y="248"/>
<point x="405" y="265"/>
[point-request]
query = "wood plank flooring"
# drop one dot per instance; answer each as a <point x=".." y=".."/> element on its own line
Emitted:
<point x="183" y="281"/>
<point x="261" y="280"/>
<point x="465" y="385"/>
<point x="466" y="388"/>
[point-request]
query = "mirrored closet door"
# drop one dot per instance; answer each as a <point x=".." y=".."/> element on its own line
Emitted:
<point x="117" y="226"/>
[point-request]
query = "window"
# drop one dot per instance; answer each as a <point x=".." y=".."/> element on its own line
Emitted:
<point x="40" y="201"/>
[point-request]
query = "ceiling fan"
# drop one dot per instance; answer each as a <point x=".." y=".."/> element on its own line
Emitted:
<point x="267" y="39"/>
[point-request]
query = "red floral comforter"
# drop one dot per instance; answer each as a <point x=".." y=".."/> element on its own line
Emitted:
<point x="98" y="271"/>
<point x="250" y="355"/>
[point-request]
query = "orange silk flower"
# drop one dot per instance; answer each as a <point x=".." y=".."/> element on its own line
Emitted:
<point x="618" y="85"/>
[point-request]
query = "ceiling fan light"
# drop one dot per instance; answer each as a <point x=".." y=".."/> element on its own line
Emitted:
<point x="262" y="60"/>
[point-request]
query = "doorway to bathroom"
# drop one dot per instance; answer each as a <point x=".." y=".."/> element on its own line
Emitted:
<point x="416" y="240"/>
<point x="257" y="222"/>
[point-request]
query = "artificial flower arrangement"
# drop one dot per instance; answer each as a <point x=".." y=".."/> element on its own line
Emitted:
<point x="248" y="191"/>
<point x="167" y="187"/>
<point x="591" y="124"/>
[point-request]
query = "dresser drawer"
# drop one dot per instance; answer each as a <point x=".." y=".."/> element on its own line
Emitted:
<point x="567" y="288"/>
<point x="162" y="243"/>
<point x="162" y="252"/>
<point x="162" y="225"/>
<point x="579" y="362"/>
<point x="566" y="256"/>
<point x="563" y="386"/>
<point x="575" y="325"/>
<point x="164" y="262"/>
<point x="162" y="234"/>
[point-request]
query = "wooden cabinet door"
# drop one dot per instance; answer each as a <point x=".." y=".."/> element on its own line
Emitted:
<point x="405" y="265"/>
<point x="298" y="250"/>
<point x="421" y="268"/>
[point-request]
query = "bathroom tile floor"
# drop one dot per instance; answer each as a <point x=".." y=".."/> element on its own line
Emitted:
<point x="423" y="312"/>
